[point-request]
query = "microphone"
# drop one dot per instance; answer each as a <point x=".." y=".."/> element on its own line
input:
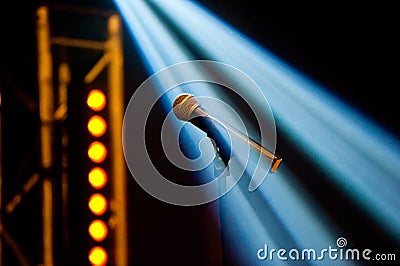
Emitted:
<point x="187" y="108"/>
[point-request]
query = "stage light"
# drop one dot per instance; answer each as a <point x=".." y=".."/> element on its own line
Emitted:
<point x="98" y="256"/>
<point x="98" y="230"/>
<point x="96" y="100"/>
<point x="98" y="204"/>
<point x="97" y="126"/>
<point x="97" y="152"/>
<point x="97" y="177"/>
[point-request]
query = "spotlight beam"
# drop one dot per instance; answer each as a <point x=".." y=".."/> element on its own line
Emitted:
<point x="334" y="135"/>
<point x="359" y="156"/>
<point x="156" y="52"/>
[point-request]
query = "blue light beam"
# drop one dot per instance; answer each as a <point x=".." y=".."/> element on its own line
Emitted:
<point x="156" y="51"/>
<point x="359" y="156"/>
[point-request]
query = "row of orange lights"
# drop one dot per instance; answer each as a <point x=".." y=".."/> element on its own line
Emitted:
<point x="97" y="177"/>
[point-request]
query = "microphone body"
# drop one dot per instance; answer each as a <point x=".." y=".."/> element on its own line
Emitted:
<point x="217" y="133"/>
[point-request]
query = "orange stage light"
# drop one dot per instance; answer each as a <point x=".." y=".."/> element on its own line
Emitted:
<point x="98" y="204"/>
<point x="97" y="152"/>
<point x="97" y="126"/>
<point x="96" y="100"/>
<point x="97" y="177"/>
<point x="98" y="230"/>
<point x="98" y="256"/>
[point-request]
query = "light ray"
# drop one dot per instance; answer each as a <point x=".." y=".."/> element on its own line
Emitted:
<point x="359" y="156"/>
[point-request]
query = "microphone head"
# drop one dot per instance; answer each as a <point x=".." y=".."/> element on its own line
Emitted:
<point x="184" y="106"/>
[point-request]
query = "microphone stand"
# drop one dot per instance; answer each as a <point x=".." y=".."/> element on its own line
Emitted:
<point x="221" y="170"/>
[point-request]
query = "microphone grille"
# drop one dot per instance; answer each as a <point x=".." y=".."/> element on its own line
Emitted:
<point x="184" y="105"/>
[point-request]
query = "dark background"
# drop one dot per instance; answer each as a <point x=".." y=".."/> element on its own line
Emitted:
<point x="352" y="50"/>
